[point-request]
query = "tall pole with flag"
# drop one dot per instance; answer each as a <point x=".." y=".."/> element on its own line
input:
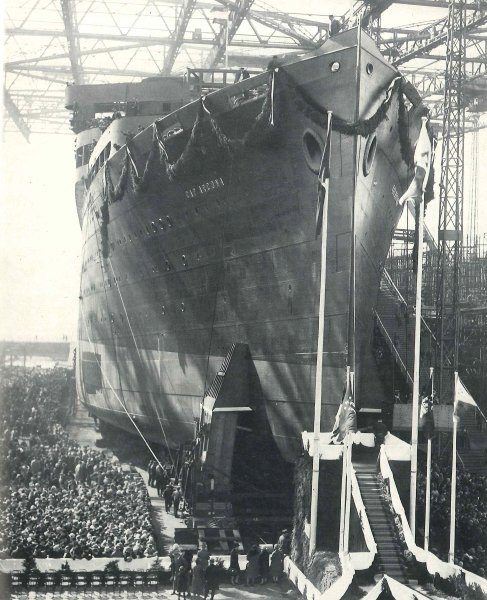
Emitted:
<point x="453" y="496"/>
<point x="428" y="426"/>
<point x="461" y="395"/>
<point x="422" y="163"/>
<point x="321" y="225"/>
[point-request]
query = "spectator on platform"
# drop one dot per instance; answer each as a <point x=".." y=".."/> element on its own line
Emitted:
<point x="203" y="555"/>
<point x="212" y="577"/>
<point x="167" y="495"/>
<point x="264" y="565"/>
<point x="234" y="564"/>
<point x="151" y="472"/>
<point x="335" y="26"/>
<point x="276" y="564"/>
<point x="198" y="579"/>
<point x="176" y="499"/>
<point x="161" y="479"/>
<point x="284" y="542"/>
<point x="252" y="569"/>
<point x="182" y="581"/>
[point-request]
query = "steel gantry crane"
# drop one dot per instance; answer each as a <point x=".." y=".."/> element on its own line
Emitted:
<point x="100" y="41"/>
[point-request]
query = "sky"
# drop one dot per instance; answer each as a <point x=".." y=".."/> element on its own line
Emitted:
<point x="40" y="239"/>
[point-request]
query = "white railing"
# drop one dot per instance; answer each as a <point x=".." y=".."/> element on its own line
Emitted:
<point x="433" y="564"/>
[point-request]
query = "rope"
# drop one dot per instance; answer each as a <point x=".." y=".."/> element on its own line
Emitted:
<point x="113" y="390"/>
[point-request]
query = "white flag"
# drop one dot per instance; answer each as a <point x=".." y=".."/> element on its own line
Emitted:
<point x="422" y="166"/>
<point x="463" y="395"/>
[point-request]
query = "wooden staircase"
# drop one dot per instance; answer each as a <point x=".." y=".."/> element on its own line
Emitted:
<point x="390" y="557"/>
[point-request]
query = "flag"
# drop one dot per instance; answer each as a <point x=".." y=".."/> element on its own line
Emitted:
<point x="422" y="166"/>
<point x="462" y="395"/>
<point x="346" y="417"/>
<point x="324" y="175"/>
<point x="426" y="416"/>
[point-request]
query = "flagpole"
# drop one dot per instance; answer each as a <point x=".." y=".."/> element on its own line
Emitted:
<point x="417" y="346"/>
<point x="427" y="515"/>
<point x="319" y="375"/>
<point x="453" y="497"/>
<point x="348" y="497"/>
<point x="343" y="492"/>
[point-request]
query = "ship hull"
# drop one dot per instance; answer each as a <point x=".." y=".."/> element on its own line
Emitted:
<point x="229" y="253"/>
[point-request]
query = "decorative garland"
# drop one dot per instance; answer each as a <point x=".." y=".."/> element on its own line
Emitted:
<point x="207" y="135"/>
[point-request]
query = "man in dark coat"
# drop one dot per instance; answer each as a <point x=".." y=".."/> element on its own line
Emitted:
<point x="167" y="495"/>
<point x="212" y="577"/>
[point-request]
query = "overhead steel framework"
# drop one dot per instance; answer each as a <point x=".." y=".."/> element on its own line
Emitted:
<point x="54" y="42"/>
<point x="450" y="225"/>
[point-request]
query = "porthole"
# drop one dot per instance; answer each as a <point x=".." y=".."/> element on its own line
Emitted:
<point x="369" y="153"/>
<point x="161" y="224"/>
<point x="369" y="68"/>
<point x="183" y="308"/>
<point x="313" y="150"/>
<point x="163" y="309"/>
<point x="183" y="258"/>
<point x="169" y="222"/>
<point x="334" y="66"/>
<point x="154" y="227"/>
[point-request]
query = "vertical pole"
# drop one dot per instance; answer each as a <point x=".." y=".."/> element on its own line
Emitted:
<point x="417" y="345"/>
<point x="427" y="514"/>
<point x="453" y="497"/>
<point x="428" y="498"/>
<point x="318" y="380"/>
<point x="343" y="495"/>
<point x="348" y="498"/>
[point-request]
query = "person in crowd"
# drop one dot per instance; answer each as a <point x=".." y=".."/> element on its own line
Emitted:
<point x="174" y="554"/>
<point x="212" y="579"/>
<point x="241" y="74"/>
<point x="198" y="579"/>
<point x="182" y="581"/>
<point x="151" y="473"/>
<point x="234" y="564"/>
<point x="276" y="564"/>
<point x="167" y="495"/>
<point x="176" y="499"/>
<point x="335" y="26"/>
<point x="284" y="542"/>
<point x="252" y="569"/>
<point x="264" y="565"/>
<point x="160" y="479"/>
<point x="203" y="555"/>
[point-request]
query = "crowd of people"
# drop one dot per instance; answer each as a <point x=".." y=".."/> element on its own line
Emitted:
<point x="59" y="499"/>
<point x="471" y="516"/>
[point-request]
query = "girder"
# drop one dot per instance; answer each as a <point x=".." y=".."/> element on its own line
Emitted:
<point x="437" y="32"/>
<point x="15" y="114"/>
<point x="68" y="8"/>
<point x="144" y="37"/>
<point x="184" y="16"/>
<point x="227" y="31"/>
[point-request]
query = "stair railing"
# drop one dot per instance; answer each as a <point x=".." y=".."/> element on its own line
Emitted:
<point x="393" y="349"/>
<point x="364" y="523"/>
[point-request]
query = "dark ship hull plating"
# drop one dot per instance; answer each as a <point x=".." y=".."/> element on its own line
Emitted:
<point x="228" y="253"/>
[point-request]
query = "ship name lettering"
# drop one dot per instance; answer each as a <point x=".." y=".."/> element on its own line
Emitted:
<point x="204" y="188"/>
